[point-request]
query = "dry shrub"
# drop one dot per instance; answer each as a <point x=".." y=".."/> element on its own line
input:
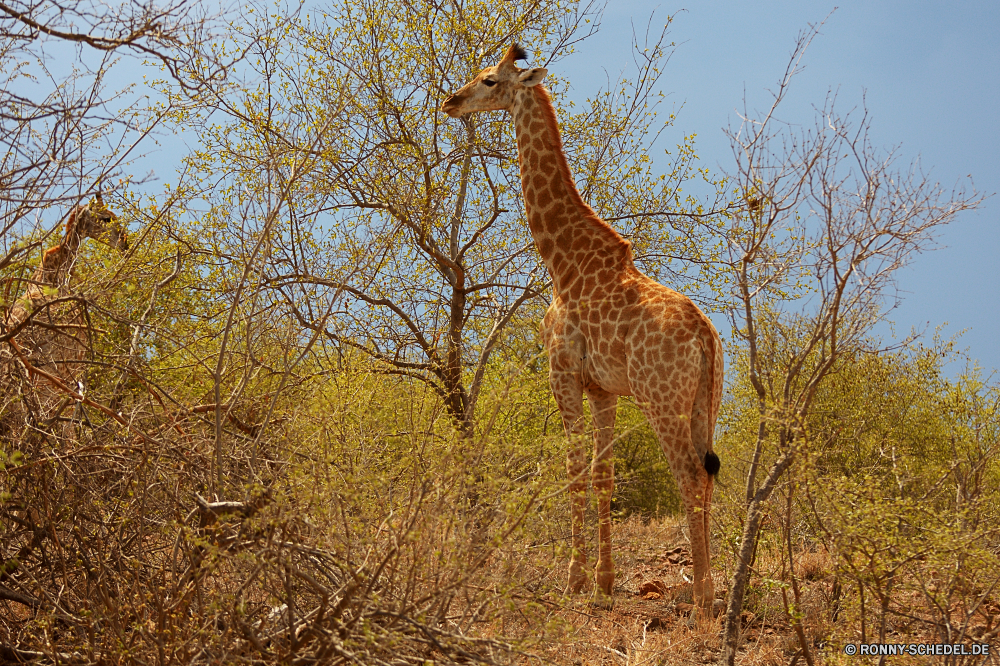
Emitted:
<point x="110" y="552"/>
<point x="813" y="565"/>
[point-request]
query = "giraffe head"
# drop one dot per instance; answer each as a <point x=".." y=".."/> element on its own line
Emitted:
<point x="95" y="220"/>
<point x="495" y="88"/>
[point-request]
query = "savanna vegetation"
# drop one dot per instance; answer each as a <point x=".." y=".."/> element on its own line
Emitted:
<point x="310" y="419"/>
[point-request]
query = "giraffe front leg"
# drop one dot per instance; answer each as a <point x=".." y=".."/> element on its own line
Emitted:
<point x="569" y="398"/>
<point x="603" y="407"/>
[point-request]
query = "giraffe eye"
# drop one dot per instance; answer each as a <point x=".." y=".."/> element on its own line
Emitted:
<point x="488" y="83"/>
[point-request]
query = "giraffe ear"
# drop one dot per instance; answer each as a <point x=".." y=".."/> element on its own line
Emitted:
<point x="532" y="77"/>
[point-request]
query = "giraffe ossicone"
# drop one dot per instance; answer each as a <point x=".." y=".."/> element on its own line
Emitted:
<point x="610" y="331"/>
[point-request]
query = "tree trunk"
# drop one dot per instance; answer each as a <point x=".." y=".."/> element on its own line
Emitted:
<point x="737" y="589"/>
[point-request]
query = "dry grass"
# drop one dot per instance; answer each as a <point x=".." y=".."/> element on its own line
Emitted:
<point x="650" y="622"/>
<point x="123" y="565"/>
<point x="405" y="588"/>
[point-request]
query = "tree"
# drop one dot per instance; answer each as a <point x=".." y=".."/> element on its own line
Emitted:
<point x="827" y="222"/>
<point x="424" y="214"/>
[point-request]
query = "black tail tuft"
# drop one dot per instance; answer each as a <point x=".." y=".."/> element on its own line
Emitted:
<point x="712" y="463"/>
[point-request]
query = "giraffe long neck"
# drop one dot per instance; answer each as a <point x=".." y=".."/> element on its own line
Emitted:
<point x="567" y="232"/>
<point x="57" y="261"/>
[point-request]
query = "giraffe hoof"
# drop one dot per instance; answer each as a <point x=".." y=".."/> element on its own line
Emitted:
<point x="602" y="600"/>
<point x="577" y="583"/>
<point x="697" y="614"/>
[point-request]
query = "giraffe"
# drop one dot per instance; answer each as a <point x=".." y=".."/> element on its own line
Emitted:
<point x="610" y="331"/>
<point x="55" y="340"/>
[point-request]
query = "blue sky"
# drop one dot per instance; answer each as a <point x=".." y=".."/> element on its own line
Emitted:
<point x="931" y="80"/>
<point x="930" y="74"/>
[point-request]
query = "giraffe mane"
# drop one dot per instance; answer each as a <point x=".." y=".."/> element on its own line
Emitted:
<point x="71" y="220"/>
<point x="605" y="229"/>
<point x="52" y="254"/>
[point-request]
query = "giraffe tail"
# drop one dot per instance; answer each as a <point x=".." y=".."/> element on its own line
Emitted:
<point x="708" y="399"/>
<point x="712" y="463"/>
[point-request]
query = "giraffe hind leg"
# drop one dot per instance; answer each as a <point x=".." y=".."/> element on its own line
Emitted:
<point x="695" y="484"/>
<point x="703" y="413"/>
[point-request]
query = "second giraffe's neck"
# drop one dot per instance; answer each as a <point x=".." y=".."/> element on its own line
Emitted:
<point x="567" y="232"/>
<point x="58" y="261"/>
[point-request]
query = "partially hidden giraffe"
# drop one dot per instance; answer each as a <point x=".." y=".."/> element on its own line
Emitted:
<point x="55" y="338"/>
<point x="610" y="331"/>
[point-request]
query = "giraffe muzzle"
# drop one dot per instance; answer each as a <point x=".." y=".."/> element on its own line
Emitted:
<point x="450" y="106"/>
